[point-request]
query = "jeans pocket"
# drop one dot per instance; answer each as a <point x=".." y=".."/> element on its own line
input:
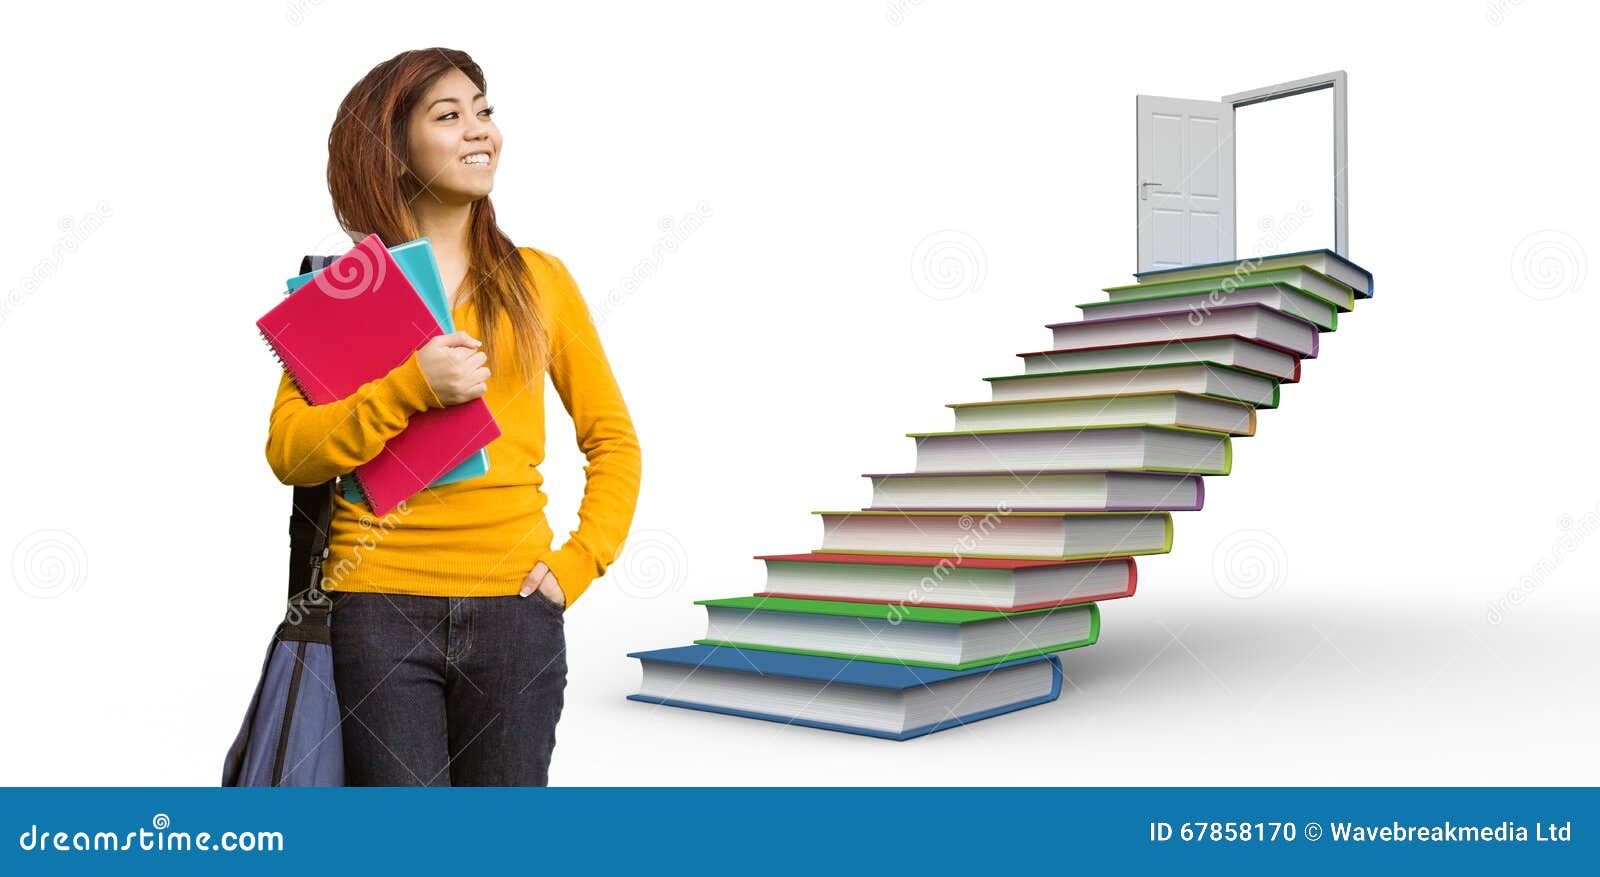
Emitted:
<point x="550" y="605"/>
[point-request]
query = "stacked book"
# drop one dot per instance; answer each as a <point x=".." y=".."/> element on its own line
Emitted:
<point x="952" y="597"/>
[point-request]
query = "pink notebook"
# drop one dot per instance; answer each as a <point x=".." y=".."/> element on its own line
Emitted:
<point x="353" y="323"/>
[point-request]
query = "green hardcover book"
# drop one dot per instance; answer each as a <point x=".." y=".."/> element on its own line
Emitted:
<point x="1308" y="281"/>
<point x="1137" y="447"/>
<point x="1324" y="262"/>
<point x="1164" y="409"/>
<point x="919" y="636"/>
<point x="1280" y="296"/>
<point x="1000" y="533"/>
<point x="1204" y="378"/>
<point x="1251" y="356"/>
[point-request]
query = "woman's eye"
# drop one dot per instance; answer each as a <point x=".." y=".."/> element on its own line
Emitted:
<point x="486" y="112"/>
<point x="448" y="116"/>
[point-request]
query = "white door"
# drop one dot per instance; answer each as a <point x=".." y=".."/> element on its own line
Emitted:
<point x="1185" y="185"/>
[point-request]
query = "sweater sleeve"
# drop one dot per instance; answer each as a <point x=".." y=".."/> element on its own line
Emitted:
<point x="309" y="444"/>
<point x="582" y="376"/>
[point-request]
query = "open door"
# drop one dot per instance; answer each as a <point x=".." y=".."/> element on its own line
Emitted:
<point x="1186" y="209"/>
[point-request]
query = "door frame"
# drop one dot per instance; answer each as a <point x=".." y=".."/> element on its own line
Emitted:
<point x="1341" y="140"/>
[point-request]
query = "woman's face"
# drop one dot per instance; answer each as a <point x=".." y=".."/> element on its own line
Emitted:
<point x="453" y="141"/>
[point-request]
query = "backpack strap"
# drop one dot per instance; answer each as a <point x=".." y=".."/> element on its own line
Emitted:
<point x="309" y="264"/>
<point x="309" y="521"/>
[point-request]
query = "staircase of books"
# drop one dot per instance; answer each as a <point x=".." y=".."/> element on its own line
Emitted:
<point x="953" y="596"/>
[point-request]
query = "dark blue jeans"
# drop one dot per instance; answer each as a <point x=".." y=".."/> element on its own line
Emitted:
<point x="439" y="691"/>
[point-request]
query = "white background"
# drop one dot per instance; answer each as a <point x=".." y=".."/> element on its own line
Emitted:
<point x="165" y="172"/>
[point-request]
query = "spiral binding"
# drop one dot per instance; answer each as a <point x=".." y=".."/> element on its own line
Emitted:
<point x="366" y="495"/>
<point x="293" y="378"/>
<point x="317" y="264"/>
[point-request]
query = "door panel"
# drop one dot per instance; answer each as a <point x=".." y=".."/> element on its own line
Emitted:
<point x="1185" y="184"/>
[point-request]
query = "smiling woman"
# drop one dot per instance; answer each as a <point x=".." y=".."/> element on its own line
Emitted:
<point x="397" y="168"/>
<point x="447" y="616"/>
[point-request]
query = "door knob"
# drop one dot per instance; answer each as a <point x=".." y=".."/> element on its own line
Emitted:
<point x="1144" y="189"/>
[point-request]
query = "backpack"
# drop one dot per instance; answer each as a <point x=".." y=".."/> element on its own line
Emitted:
<point x="291" y="734"/>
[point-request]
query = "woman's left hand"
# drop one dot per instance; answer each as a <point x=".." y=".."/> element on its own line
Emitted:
<point x="544" y="581"/>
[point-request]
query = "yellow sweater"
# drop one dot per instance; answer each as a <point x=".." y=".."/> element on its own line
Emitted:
<point x="482" y="536"/>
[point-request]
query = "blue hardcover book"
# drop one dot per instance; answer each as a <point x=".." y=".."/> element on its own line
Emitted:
<point x="893" y="701"/>
<point x="416" y="262"/>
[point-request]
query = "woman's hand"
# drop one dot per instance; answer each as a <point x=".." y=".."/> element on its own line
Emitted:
<point x="544" y="581"/>
<point x="455" y="367"/>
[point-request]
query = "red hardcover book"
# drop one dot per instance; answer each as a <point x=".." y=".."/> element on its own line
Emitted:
<point x="353" y="323"/>
<point x="927" y="581"/>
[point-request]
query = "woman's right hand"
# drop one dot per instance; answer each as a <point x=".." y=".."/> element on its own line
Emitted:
<point x="455" y="367"/>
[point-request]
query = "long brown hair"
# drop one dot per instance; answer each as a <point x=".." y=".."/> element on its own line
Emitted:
<point x="372" y="186"/>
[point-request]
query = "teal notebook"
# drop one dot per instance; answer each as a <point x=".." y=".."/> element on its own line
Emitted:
<point x="416" y="262"/>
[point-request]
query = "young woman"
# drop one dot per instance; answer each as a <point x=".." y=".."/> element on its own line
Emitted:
<point x="447" y="614"/>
